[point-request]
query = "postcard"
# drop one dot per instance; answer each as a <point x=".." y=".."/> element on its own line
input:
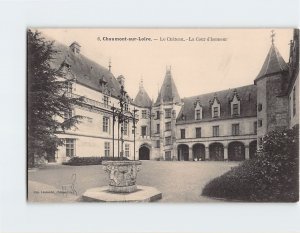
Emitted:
<point x="162" y="115"/>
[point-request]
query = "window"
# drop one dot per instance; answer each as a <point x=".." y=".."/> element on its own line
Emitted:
<point x="126" y="107"/>
<point x="157" y="128"/>
<point x="235" y="129"/>
<point x="70" y="147"/>
<point x="294" y="101"/>
<point x="168" y="140"/>
<point x="144" y="114"/>
<point x="215" y="131"/>
<point x="105" y="100"/>
<point x="157" y="144"/>
<point x="259" y="107"/>
<point x="168" y="113"/>
<point x="259" y="123"/>
<point x="105" y="124"/>
<point x="144" y="130"/>
<point x="168" y="155"/>
<point x="125" y="128"/>
<point x="106" y="149"/>
<point x="168" y="126"/>
<point x="69" y="88"/>
<point x="127" y="151"/>
<point x="198" y="114"/>
<point x="157" y="115"/>
<point x="255" y="127"/>
<point x="216" y="112"/>
<point x="198" y="132"/>
<point x="182" y="133"/>
<point x="235" y="109"/>
<point x="174" y="113"/>
<point x="68" y="114"/>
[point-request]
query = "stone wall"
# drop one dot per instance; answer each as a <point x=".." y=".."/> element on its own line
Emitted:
<point x="277" y="105"/>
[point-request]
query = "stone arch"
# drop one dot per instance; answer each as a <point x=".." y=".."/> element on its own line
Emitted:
<point x="216" y="151"/>
<point x="236" y="151"/>
<point x="199" y="151"/>
<point x="144" y="152"/>
<point x="183" y="152"/>
<point x="252" y="149"/>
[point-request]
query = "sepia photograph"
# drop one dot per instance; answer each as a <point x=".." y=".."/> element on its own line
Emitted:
<point x="162" y="115"/>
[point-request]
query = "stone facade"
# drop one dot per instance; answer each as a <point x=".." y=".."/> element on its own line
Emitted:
<point x="224" y="125"/>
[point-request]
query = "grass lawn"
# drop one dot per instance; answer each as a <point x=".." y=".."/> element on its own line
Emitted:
<point x="178" y="181"/>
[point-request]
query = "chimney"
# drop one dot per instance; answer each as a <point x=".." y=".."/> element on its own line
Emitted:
<point x="121" y="80"/>
<point x="75" y="47"/>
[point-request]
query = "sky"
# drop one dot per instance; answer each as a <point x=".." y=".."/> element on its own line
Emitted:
<point x="198" y="67"/>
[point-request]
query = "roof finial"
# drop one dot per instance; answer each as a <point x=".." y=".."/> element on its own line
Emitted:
<point x="272" y="36"/>
<point x="109" y="64"/>
<point x="141" y="83"/>
<point x="168" y="69"/>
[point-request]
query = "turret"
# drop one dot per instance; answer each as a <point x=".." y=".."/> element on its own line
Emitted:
<point x="272" y="105"/>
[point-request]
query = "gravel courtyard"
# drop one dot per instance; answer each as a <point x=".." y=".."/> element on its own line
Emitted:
<point x="178" y="181"/>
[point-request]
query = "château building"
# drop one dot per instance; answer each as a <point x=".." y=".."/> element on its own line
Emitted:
<point x="223" y="125"/>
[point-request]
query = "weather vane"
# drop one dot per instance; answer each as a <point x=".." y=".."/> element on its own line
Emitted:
<point x="272" y="36"/>
<point x="109" y="64"/>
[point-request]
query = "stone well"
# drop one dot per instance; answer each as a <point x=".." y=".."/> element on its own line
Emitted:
<point x="122" y="175"/>
<point x="122" y="185"/>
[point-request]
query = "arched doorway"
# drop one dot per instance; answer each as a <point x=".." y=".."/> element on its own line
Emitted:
<point x="236" y="151"/>
<point x="216" y="151"/>
<point x="199" y="152"/>
<point x="252" y="149"/>
<point x="183" y="152"/>
<point x="144" y="153"/>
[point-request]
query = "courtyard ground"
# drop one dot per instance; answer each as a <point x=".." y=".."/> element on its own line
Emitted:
<point x="178" y="181"/>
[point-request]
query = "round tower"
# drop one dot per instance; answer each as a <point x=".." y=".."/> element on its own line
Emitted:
<point x="272" y="105"/>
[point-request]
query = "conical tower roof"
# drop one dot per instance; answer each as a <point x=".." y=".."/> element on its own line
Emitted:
<point x="142" y="98"/>
<point x="168" y="91"/>
<point x="274" y="63"/>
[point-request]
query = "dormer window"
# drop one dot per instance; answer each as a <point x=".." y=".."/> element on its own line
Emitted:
<point x="235" y="109"/>
<point x="69" y="88"/>
<point x="216" y="112"/>
<point x="197" y="114"/>
<point x="126" y="107"/>
<point x="198" y="110"/>
<point x="105" y="100"/>
<point x="75" y="47"/>
<point x="215" y="108"/>
<point x="235" y="104"/>
<point x="168" y="113"/>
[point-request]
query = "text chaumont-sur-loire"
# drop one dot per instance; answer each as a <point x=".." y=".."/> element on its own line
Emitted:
<point x="162" y="39"/>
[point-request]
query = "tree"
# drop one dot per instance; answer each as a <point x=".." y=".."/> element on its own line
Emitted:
<point x="47" y="98"/>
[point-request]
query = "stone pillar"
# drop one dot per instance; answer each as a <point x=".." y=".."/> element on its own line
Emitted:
<point x="191" y="156"/>
<point x="247" y="156"/>
<point x="225" y="153"/>
<point x="206" y="153"/>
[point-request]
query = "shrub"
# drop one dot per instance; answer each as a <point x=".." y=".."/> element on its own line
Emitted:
<point x="272" y="176"/>
<point x="81" y="161"/>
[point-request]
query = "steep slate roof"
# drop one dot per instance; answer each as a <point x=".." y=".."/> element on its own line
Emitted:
<point x="273" y="64"/>
<point x="86" y="71"/>
<point x="168" y="91"/>
<point x="142" y="98"/>
<point x="246" y="94"/>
